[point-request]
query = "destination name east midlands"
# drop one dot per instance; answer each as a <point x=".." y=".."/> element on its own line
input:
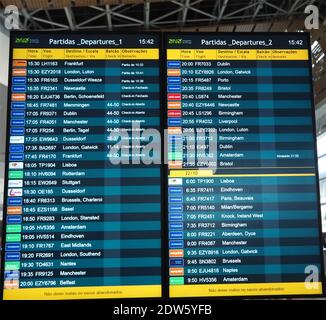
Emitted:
<point x="76" y="244"/>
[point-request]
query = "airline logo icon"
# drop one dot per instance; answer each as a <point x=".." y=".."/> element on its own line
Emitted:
<point x="16" y="149"/>
<point x="175" y="164"/>
<point x="174" y="113"/>
<point x="175" y="199"/>
<point x="16" y="165"/>
<point x="13" y="228"/>
<point x="17" y="131"/>
<point x="175" y="181"/>
<point x="15" y="192"/>
<point x="11" y="275"/>
<point x="16" y="157"/>
<point x="174" y="80"/>
<point x="174" y="72"/>
<point x="176" y="244"/>
<point x="175" y="208"/>
<point x="15" y="183"/>
<point x="19" y="89"/>
<point x="15" y="265"/>
<point x="175" y="150"/>
<point x="176" y="253"/>
<point x="17" y="139"/>
<point x="174" y="104"/>
<point x="174" y="88"/>
<point x="176" y="146"/>
<point x="174" y="64"/>
<point x="176" y="262"/>
<point x="15" y="201"/>
<point x="175" y="156"/>
<point x="176" y="225"/>
<point x="176" y="272"/>
<point x="16" y="174"/>
<point x="14" y="219"/>
<point x="18" y="97"/>
<point x="14" y="210"/>
<point x="12" y="256"/>
<point x="18" y="105"/>
<point x="175" y="217"/>
<point x="173" y="190"/>
<point x="18" y="114"/>
<point x="174" y="96"/>
<point x="19" y="63"/>
<point x="17" y="122"/>
<point x="11" y="284"/>
<point x="174" y="121"/>
<point x="175" y="138"/>
<point x="13" y="247"/>
<point x="175" y="130"/>
<point x="175" y="235"/>
<point x="19" y="80"/>
<point x="19" y="72"/>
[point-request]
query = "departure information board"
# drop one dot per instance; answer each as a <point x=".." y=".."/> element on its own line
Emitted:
<point x="91" y="210"/>
<point x="79" y="223"/>
<point x="243" y="206"/>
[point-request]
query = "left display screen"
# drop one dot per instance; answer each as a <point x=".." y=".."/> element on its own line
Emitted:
<point x="82" y="209"/>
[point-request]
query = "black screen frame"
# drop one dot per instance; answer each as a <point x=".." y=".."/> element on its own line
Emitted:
<point x="322" y="271"/>
<point x="164" y="169"/>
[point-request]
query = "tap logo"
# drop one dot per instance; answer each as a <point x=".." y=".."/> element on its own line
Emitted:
<point x="16" y="165"/>
<point x="22" y="40"/>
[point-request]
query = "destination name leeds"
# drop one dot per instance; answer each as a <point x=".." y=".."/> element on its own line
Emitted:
<point x="86" y="42"/>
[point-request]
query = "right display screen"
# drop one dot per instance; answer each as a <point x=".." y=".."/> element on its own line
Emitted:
<point x="243" y="206"/>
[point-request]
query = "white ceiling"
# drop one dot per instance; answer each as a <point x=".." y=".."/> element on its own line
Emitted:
<point x="4" y="45"/>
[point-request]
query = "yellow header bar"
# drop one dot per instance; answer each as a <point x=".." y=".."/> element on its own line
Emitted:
<point x="210" y="173"/>
<point x="244" y="289"/>
<point x="150" y="291"/>
<point x="86" y="54"/>
<point x="234" y="54"/>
